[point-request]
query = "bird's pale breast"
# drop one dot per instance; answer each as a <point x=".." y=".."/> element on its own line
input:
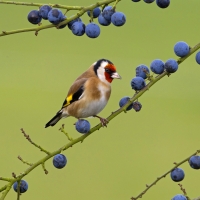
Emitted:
<point x="92" y="102"/>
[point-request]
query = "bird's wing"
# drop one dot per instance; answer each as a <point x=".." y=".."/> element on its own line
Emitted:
<point x="75" y="92"/>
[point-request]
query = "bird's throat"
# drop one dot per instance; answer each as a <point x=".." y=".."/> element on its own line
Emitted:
<point x="108" y="78"/>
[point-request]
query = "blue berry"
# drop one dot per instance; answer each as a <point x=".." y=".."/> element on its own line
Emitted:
<point x="198" y="57"/>
<point x="82" y="126"/>
<point x="194" y="162"/>
<point x="118" y="19"/>
<point x="181" y="49"/>
<point x="136" y="0"/>
<point x="163" y="3"/>
<point x="63" y="26"/>
<point x="103" y="21"/>
<point x="137" y="106"/>
<point x="123" y="101"/>
<point x="96" y="12"/>
<point x="171" y="66"/>
<point x="73" y="21"/>
<point x="55" y="16"/>
<point x="92" y="30"/>
<point x="23" y="186"/>
<point x="138" y="83"/>
<point x="157" y="66"/>
<point x="59" y="161"/>
<point x="34" y="17"/>
<point x="149" y="1"/>
<point x="44" y="10"/>
<point x="177" y="175"/>
<point x="108" y="12"/>
<point x="78" y="28"/>
<point x="141" y="71"/>
<point x="179" y="197"/>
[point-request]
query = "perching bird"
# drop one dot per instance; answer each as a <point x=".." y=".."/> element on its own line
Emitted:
<point x="89" y="94"/>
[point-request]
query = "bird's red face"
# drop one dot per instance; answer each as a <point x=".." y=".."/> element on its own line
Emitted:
<point x="111" y="73"/>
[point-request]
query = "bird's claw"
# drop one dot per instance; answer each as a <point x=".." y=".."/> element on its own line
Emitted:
<point x="104" y="122"/>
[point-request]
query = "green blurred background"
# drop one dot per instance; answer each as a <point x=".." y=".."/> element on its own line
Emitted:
<point x="115" y="162"/>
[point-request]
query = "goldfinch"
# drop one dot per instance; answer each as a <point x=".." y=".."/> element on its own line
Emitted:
<point x="89" y="94"/>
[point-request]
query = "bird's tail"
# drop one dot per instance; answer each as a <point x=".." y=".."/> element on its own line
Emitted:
<point x="55" y="119"/>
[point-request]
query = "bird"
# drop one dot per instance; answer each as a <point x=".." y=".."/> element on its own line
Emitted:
<point x="89" y="93"/>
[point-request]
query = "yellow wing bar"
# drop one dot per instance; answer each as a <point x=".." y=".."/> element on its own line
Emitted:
<point x="67" y="100"/>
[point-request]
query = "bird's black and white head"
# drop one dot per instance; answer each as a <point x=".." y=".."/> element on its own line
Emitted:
<point x="106" y="70"/>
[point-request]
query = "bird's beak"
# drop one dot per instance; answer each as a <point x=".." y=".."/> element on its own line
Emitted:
<point x="116" y="75"/>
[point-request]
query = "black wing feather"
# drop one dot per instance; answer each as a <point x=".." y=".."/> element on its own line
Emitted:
<point x="75" y="97"/>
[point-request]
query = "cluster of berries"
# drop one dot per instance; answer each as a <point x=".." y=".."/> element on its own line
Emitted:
<point x="178" y="174"/>
<point x="78" y="28"/>
<point x="160" y="3"/>
<point x="181" y="49"/>
<point x="157" y="66"/>
<point x="137" y="106"/>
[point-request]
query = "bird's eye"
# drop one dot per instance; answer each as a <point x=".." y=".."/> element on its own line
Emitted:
<point x="108" y="70"/>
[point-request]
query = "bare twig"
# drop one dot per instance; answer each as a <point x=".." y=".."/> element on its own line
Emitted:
<point x="25" y="162"/>
<point x="63" y="131"/>
<point x="43" y="166"/>
<point x="33" y="143"/>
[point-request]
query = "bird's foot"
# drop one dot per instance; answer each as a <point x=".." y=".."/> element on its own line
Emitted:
<point x="104" y="121"/>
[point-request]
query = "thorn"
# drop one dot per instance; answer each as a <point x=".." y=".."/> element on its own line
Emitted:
<point x="36" y="33"/>
<point x="175" y="163"/>
<point x="4" y="32"/>
<point x="66" y="12"/>
<point x="19" y="157"/>
<point x="62" y="127"/>
<point x="14" y="175"/>
<point x="147" y="185"/>
<point x="168" y="74"/>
